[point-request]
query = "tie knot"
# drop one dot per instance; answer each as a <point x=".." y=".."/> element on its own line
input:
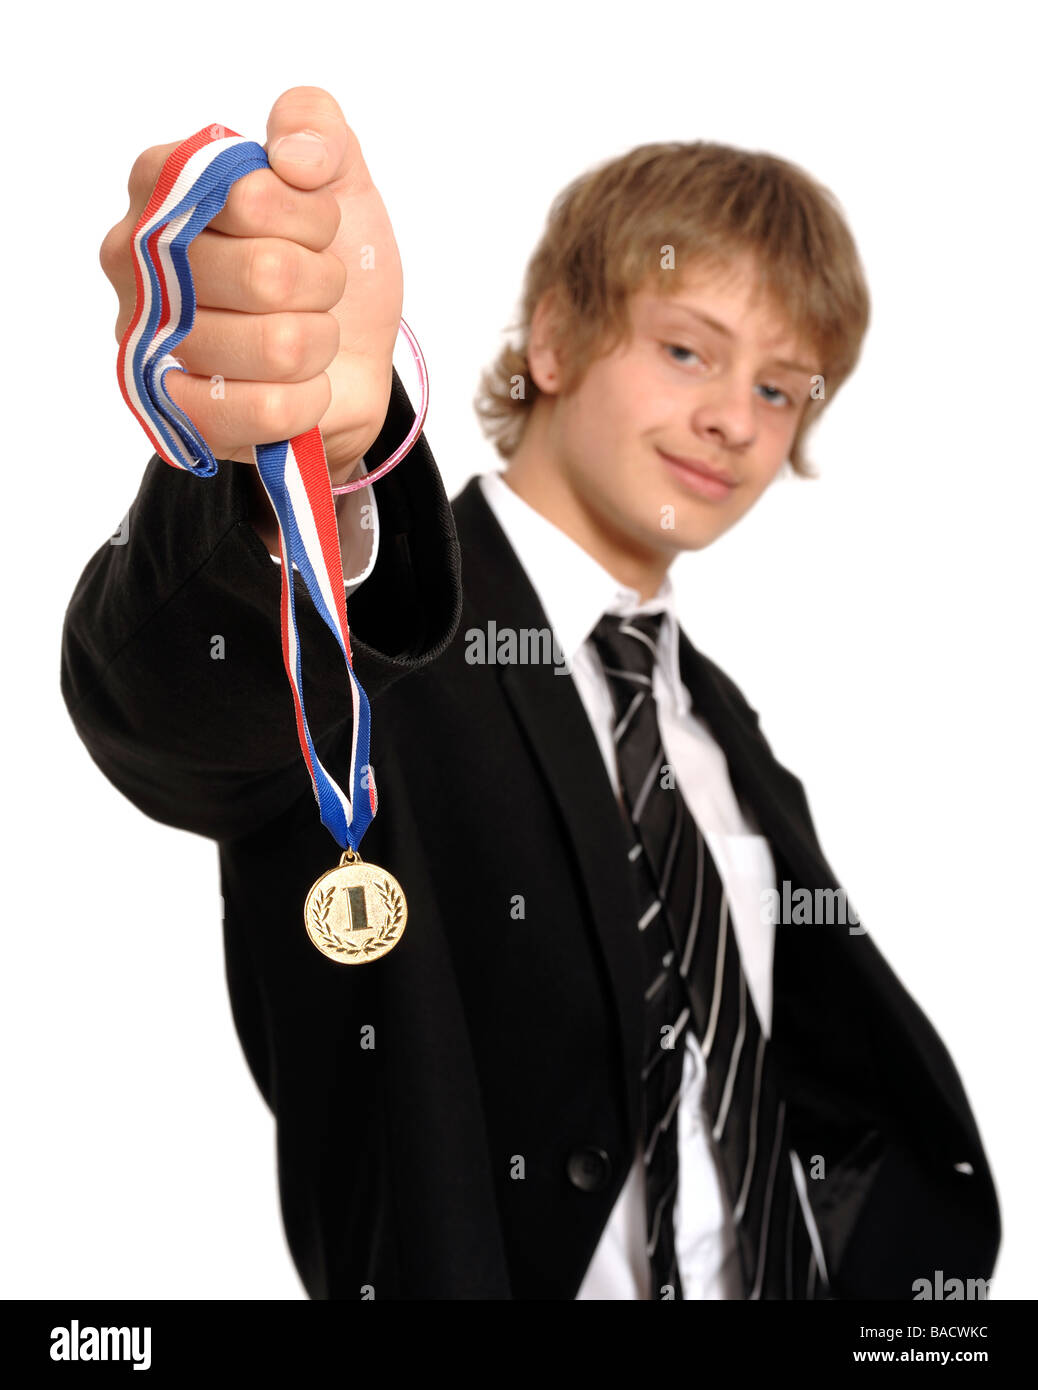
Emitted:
<point x="629" y="647"/>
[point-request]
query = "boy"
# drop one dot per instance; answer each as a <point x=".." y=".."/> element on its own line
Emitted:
<point x="593" y="1067"/>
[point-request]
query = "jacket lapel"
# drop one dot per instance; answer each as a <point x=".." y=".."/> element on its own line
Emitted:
<point x="812" y="1023"/>
<point x="560" y="736"/>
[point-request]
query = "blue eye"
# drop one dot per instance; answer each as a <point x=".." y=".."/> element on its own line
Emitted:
<point x="673" y="348"/>
<point x="676" y="347"/>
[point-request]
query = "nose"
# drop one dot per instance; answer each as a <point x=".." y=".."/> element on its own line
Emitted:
<point x="725" y="412"/>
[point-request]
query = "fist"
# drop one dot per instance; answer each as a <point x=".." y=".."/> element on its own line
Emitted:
<point x="298" y="290"/>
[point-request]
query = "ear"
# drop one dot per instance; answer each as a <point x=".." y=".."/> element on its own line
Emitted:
<point x="542" y="351"/>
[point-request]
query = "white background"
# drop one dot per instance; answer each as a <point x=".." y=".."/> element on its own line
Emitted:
<point x="880" y="618"/>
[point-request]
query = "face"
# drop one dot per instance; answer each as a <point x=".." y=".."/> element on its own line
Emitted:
<point x="672" y="437"/>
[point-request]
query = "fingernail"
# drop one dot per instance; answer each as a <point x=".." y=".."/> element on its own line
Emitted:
<point x="302" y="147"/>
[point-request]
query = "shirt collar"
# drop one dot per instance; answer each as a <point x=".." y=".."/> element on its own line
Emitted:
<point x="573" y="588"/>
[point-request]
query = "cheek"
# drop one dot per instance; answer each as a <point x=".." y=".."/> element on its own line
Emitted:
<point x="775" y="434"/>
<point x="645" y="400"/>
<point x="624" y="399"/>
<point x="783" y="432"/>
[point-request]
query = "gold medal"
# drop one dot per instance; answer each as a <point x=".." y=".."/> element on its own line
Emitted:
<point x="355" y="912"/>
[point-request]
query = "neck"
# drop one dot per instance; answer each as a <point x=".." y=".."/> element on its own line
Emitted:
<point x="541" y="483"/>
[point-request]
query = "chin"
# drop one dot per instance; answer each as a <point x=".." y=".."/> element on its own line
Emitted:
<point x="695" y="539"/>
<point x="696" y="527"/>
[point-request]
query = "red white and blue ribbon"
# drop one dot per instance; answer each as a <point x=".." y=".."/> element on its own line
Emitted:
<point x="191" y="189"/>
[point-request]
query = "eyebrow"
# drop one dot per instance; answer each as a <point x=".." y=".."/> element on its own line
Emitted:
<point x="726" y="332"/>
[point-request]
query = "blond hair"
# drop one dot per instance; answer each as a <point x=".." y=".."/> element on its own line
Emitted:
<point x="607" y="235"/>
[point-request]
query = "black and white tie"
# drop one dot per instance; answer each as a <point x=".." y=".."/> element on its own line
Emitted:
<point x="694" y="979"/>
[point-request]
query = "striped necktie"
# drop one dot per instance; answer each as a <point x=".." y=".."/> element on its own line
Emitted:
<point x="693" y="978"/>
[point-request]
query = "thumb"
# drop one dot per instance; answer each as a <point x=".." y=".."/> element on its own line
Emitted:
<point x="307" y="137"/>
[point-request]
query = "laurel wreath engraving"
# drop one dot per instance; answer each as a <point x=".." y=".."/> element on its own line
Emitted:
<point x="384" y="936"/>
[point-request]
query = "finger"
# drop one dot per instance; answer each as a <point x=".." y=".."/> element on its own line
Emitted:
<point x="249" y="275"/>
<point x="260" y="204"/>
<point x="263" y="205"/>
<point x="268" y="208"/>
<point x="231" y="416"/>
<point x="308" y="141"/>
<point x="115" y="252"/>
<point x="117" y="264"/>
<point x="263" y="275"/>
<point x="259" y="347"/>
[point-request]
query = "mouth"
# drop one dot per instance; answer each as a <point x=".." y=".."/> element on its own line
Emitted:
<point x="699" y="477"/>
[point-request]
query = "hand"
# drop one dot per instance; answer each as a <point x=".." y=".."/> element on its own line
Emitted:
<point x="298" y="288"/>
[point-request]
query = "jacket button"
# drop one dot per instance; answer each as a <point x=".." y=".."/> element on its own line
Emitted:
<point x="588" y="1169"/>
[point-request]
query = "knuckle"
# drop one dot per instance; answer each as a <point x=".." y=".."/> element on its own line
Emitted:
<point x="284" y="346"/>
<point x="272" y="414"/>
<point x="272" y="273"/>
<point x="252" y="201"/>
<point x="114" y="250"/>
<point x="143" y="175"/>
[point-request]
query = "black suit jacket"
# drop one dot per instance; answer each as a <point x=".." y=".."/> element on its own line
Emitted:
<point x="496" y="1037"/>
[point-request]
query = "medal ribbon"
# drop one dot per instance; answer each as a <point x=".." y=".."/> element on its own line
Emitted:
<point x="192" y="188"/>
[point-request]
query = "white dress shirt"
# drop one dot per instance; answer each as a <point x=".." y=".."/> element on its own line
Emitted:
<point x="575" y="591"/>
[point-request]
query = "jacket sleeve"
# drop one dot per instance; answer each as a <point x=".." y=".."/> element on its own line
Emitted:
<point x="171" y="664"/>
